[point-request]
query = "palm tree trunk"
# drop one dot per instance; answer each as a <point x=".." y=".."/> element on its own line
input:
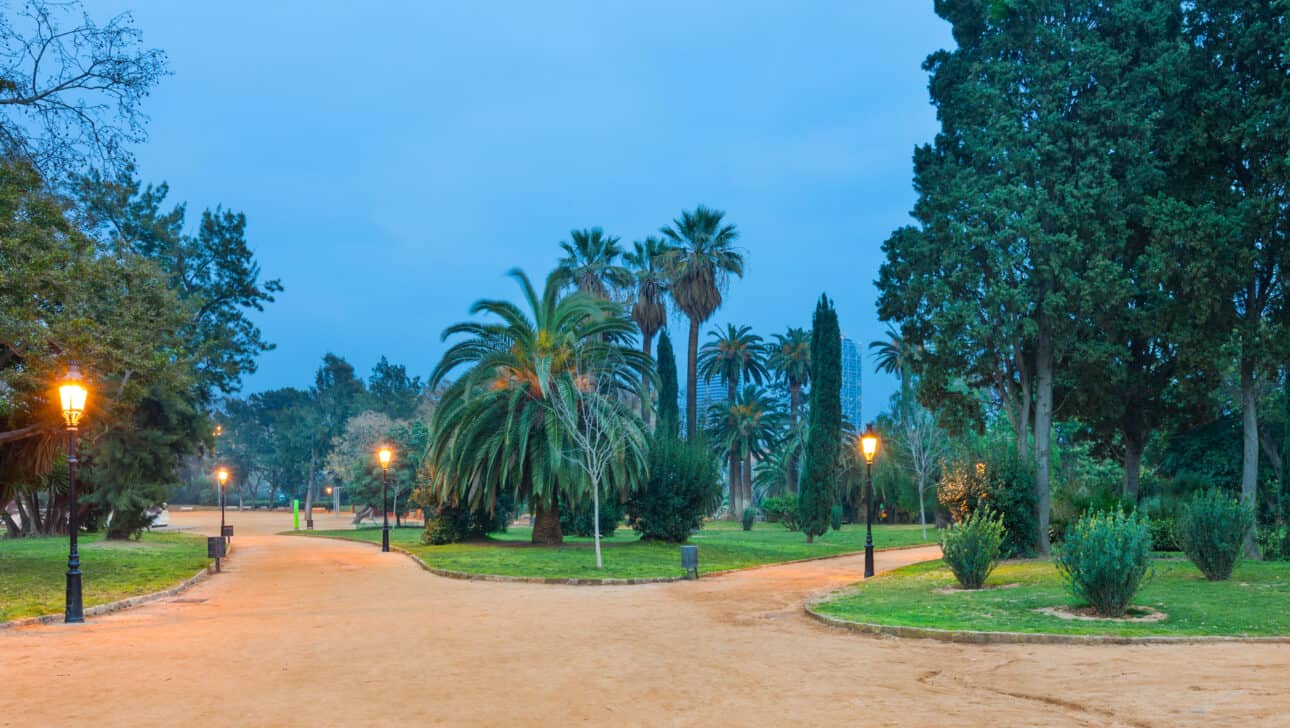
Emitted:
<point x="736" y="490"/>
<point x="747" y="478"/>
<point x="646" y="346"/>
<point x="692" y="382"/>
<point x="546" y="523"/>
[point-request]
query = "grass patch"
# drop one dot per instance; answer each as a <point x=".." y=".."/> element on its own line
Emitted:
<point x="32" y="581"/>
<point x="722" y="546"/>
<point x="1253" y="603"/>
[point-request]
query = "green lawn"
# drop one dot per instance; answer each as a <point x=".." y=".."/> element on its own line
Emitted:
<point x="32" y="580"/>
<point x="1254" y="602"/>
<point x="722" y="545"/>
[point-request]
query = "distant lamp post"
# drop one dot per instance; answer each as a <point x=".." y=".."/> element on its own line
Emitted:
<point x="221" y="476"/>
<point x="327" y="491"/>
<point x="869" y="447"/>
<point x="384" y="456"/>
<point x="72" y="395"/>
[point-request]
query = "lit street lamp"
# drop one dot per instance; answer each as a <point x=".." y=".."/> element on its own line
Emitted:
<point x="72" y="395"/>
<point x="384" y="456"/>
<point x="222" y="476"/>
<point x="869" y="447"/>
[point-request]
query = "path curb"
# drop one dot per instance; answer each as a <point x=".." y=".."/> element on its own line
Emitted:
<point x="575" y="581"/>
<point x="100" y="609"/>
<point x="1015" y="638"/>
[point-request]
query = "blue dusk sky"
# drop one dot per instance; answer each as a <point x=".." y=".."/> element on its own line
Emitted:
<point x="395" y="159"/>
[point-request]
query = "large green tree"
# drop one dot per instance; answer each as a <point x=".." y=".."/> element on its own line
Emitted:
<point x="819" y="471"/>
<point x="592" y="263"/>
<point x="494" y="428"/>
<point x="746" y="426"/>
<point x="733" y="357"/>
<point x="698" y="266"/>
<point x="790" y="360"/>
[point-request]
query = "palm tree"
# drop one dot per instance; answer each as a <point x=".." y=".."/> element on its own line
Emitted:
<point x="790" y="360"/>
<point x="649" y="304"/>
<point x="590" y="263"/>
<point x="745" y="426"/>
<point x="734" y="357"/>
<point x="896" y="356"/>
<point x="698" y="269"/>
<point x="495" y="426"/>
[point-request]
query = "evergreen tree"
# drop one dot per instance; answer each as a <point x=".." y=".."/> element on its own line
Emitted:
<point x="668" y="406"/>
<point x="825" y="437"/>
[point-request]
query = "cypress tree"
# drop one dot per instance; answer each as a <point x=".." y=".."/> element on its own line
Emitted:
<point x="815" y="500"/>
<point x="668" y="409"/>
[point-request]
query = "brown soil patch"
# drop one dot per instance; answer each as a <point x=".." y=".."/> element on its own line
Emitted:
<point x="1088" y="614"/>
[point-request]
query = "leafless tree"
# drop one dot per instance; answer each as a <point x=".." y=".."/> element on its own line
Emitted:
<point x="71" y="90"/>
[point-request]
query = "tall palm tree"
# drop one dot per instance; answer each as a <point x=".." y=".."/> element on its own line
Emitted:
<point x="894" y="355"/>
<point x="790" y="360"/>
<point x="698" y="268"/>
<point x="649" y="302"/>
<point x="590" y="263"/>
<point x="495" y="426"/>
<point x="746" y="425"/>
<point x="733" y="357"/>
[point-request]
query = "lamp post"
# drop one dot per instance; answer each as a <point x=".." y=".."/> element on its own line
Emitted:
<point x="869" y="447"/>
<point x="72" y="395"/>
<point x="328" y="491"/>
<point x="384" y="456"/>
<point x="222" y="476"/>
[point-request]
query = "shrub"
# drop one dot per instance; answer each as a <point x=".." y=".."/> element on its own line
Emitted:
<point x="1274" y="542"/>
<point x="684" y="485"/>
<point x="579" y="519"/>
<point x="1211" y="531"/>
<point x="835" y="518"/>
<point x="750" y="516"/>
<point x="972" y="548"/>
<point x="782" y="510"/>
<point x="1164" y="534"/>
<point x="451" y="523"/>
<point x="1105" y="557"/>
<point x="1006" y="486"/>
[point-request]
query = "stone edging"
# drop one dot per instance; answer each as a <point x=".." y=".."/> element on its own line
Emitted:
<point x="575" y="581"/>
<point x="100" y="609"/>
<point x="1015" y="638"/>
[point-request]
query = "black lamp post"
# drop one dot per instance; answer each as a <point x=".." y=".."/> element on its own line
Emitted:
<point x="869" y="447"/>
<point x="72" y="395"/>
<point x="222" y="476"/>
<point x="384" y="456"/>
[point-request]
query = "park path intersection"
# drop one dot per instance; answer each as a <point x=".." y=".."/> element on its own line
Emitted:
<point x="322" y="632"/>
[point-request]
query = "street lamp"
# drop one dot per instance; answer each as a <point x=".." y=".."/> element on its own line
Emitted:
<point x="869" y="447"/>
<point x="222" y="476"/>
<point x="72" y="395"/>
<point x="384" y="456"/>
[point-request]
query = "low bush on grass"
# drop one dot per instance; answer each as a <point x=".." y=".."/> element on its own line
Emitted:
<point x="1005" y="484"/>
<point x="1105" y="558"/>
<point x="579" y="520"/>
<point x="1211" y="531"/>
<point x="835" y="518"/>
<point x="971" y="549"/>
<point x="684" y="485"/>
<point x="452" y="523"/>
<point x="782" y="510"/>
<point x="750" y="517"/>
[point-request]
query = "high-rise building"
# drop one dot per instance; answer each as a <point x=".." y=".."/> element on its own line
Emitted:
<point x="709" y="393"/>
<point x="852" y="368"/>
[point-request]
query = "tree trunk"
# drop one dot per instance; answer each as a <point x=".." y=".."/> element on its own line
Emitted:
<point x="1023" y="415"/>
<point x="595" y="518"/>
<point x="747" y="480"/>
<point x="646" y="344"/>
<point x="309" y="489"/>
<point x="1132" y="466"/>
<point x="33" y="508"/>
<point x="794" y="405"/>
<point x="736" y="491"/>
<point x="922" y="510"/>
<point x="1250" y="451"/>
<point x="1043" y="431"/>
<point x="546" y="523"/>
<point x="11" y="528"/>
<point x="692" y="382"/>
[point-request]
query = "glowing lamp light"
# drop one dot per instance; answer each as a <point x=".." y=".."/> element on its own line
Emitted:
<point x="222" y="476"/>
<point x="72" y="394"/>
<point x="384" y="456"/>
<point x="869" y="443"/>
<point x="327" y="490"/>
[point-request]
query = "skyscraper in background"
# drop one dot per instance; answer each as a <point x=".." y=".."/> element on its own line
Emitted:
<point x="852" y="368"/>
<point x="709" y="393"/>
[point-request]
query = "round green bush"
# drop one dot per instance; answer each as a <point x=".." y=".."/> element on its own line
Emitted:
<point x="1211" y="531"/>
<point x="971" y="548"/>
<point x="1105" y="558"/>
<point x="749" y="517"/>
<point x="683" y="486"/>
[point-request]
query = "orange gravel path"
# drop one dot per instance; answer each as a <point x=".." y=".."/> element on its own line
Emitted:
<point x="322" y="632"/>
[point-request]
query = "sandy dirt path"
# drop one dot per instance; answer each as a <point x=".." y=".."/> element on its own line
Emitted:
<point x="321" y="632"/>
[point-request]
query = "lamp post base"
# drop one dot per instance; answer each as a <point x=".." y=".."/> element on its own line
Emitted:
<point x="868" y="560"/>
<point x="385" y="539"/>
<point x="75" y="613"/>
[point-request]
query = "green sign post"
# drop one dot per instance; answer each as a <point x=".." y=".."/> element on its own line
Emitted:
<point x="295" y="513"/>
